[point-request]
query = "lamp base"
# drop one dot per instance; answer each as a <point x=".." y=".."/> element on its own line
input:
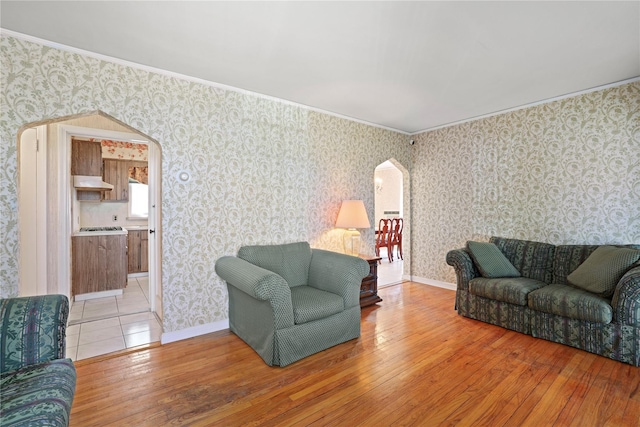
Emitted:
<point x="351" y="242"/>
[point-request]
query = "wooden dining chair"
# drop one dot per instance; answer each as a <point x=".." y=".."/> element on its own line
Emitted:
<point x="383" y="237"/>
<point x="395" y="237"/>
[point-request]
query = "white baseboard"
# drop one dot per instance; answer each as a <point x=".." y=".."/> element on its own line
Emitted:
<point x="194" y="331"/>
<point x="436" y="283"/>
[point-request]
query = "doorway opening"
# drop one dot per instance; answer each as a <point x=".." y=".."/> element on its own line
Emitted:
<point x="51" y="215"/>
<point x="391" y="187"/>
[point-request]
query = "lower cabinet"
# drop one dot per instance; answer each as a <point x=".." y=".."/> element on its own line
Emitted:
<point x="138" y="251"/>
<point x="99" y="263"/>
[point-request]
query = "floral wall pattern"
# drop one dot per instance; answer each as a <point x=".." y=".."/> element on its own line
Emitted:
<point x="565" y="172"/>
<point x="262" y="171"/>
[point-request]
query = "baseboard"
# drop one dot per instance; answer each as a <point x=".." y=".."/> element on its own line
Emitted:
<point x="194" y="331"/>
<point x="436" y="283"/>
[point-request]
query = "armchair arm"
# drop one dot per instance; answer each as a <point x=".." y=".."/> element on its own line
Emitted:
<point x="32" y="330"/>
<point x="626" y="299"/>
<point x="259" y="283"/>
<point x="339" y="274"/>
<point x="464" y="267"/>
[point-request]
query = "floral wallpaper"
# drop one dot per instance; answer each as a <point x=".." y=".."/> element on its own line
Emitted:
<point x="262" y="171"/>
<point x="565" y="172"/>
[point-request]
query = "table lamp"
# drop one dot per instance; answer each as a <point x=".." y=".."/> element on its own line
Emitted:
<point x="352" y="215"/>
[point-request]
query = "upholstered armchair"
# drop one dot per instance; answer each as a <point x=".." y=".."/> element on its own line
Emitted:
<point x="290" y="301"/>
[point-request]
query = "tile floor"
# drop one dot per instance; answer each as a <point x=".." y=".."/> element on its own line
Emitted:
<point x="104" y="325"/>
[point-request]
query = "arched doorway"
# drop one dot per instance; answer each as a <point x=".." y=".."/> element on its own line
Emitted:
<point x="391" y="200"/>
<point x="50" y="214"/>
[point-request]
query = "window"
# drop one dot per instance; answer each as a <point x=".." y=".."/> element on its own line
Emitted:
<point x="138" y="200"/>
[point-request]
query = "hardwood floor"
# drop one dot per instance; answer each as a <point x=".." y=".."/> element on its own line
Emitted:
<point x="416" y="363"/>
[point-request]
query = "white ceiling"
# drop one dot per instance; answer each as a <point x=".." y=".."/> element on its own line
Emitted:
<point x="409" y="66"/>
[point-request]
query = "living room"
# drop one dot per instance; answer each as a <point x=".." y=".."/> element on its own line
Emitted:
<point x="560" y="166"/>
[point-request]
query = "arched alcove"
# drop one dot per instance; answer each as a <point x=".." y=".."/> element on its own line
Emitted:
<point x="392" y="199"/>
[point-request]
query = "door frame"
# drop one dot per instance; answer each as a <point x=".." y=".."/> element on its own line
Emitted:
<point x="32" y="211"/>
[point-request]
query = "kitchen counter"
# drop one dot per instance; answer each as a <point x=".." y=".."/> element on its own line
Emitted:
<point x="136" y="227"/>
<point x="98" y="232"/>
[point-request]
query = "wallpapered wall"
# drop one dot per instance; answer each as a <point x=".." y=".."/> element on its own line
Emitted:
<point x="262" y="171"/>
<point x="565" y="172"/>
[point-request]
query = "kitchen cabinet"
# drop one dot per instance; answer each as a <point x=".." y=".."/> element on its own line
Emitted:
<point x="138" y="251"/>
<point x="86" y="159"/>
<point x="116" y="172"/>
<point x="99" y="263"/>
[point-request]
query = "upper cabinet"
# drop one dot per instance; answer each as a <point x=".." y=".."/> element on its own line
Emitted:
<point x="86" y="158"/>
<point x="117" y="173"/>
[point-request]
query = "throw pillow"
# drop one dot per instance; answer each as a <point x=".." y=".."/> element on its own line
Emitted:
<point x="490" y="260"/>
<point x="601" y="272"/>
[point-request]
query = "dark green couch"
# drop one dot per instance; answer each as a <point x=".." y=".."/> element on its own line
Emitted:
<point x="37" y="383"/>
<point x="290" y="301"/>
<point x="542" y="304"/>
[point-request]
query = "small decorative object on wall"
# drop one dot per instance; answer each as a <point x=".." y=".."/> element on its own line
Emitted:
<point x="184" y="177"/>
<point x="352" y="215"/>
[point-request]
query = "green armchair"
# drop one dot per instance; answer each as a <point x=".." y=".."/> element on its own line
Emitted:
<point x="37" y="383"/>
<point x="290" y="301"/>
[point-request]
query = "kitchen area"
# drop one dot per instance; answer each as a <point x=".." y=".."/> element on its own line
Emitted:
<point x="109" y="248"/>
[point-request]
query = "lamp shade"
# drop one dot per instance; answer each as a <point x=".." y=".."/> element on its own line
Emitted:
<point x="352" y="215"/>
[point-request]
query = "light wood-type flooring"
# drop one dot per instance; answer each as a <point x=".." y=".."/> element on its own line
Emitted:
<point x="416" y="363"/>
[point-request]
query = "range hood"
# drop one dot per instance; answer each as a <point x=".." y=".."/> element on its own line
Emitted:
<point x="90" y="183"/>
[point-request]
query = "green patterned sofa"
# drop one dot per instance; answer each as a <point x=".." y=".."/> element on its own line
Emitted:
<point x="290" y="301"/>
<point x="543" y="304"/>
<point x="36" y="383"/>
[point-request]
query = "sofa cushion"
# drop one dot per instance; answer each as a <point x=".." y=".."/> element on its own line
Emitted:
<point x="513" y="290"/>
<point x="38" y="394"/>
<point x="313" y="304"/>
<point x="490" y="261"/>
<point x="566" y="301"/>
<point x="291" y="261"/>
<point x="600" y="273"/>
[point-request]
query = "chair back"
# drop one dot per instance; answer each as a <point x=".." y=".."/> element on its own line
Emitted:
<point x="396" y="231"/>
<point x="383" y="233"/>
<point x="291" y="261"/>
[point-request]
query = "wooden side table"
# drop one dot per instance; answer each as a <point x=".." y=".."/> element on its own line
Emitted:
<point x="369" y="286"/>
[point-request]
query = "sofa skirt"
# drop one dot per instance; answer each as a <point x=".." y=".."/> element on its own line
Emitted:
<point x="612" y="340"/>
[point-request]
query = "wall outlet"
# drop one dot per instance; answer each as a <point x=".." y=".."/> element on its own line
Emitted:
<point x="115" y="217"/>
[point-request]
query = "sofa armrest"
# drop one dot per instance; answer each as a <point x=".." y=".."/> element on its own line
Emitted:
<point x="32" y="330"/>
<point x="339" y="274"/>
<point x="626" y="299"/>
<point x="464" y="267"/>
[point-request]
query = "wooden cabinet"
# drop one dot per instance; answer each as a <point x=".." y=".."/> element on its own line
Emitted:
<point x="116" y="172"/>
<point x="138" y="251"/>
<point x="369" y="286"/>
<point x="99" y="263"/>
<point x="86" y="158"/>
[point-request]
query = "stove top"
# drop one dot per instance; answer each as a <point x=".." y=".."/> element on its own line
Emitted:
<point x="101" y="229"/>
